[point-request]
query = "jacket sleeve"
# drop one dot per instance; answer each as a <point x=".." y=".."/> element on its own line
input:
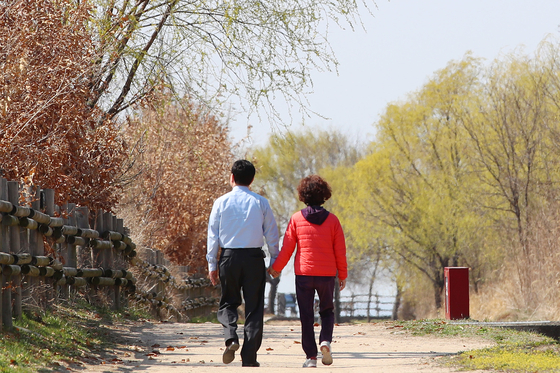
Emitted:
<point x="340" y="251"/>
<point x="288" y="247"/>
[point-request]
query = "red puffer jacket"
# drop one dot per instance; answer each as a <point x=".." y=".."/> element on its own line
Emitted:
<point x="321" y="248"/>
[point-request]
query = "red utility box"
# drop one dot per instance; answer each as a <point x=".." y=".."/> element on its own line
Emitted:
<point x="456" y="293"/>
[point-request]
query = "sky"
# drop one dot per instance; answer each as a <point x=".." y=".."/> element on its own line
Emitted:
<point x="404" y="43"/>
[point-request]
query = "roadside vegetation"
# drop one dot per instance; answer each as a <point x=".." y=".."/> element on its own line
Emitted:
<point x="515" y="351"/>
<point x="67" y="335"/>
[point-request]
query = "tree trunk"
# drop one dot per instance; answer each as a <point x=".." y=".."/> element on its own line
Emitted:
<point x="397" y="304"/>
<point x="336" y="300"/>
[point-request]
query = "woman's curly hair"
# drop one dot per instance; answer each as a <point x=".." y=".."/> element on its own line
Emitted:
<point x="313" y="190"/>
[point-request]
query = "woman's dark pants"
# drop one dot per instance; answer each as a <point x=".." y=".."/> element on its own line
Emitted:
<point x="305" y="292"/>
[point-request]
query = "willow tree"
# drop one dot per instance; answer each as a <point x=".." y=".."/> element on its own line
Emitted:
<point x="410" y="196"/>
<point x="515" y="132"/>
<point x="257" y="50"/>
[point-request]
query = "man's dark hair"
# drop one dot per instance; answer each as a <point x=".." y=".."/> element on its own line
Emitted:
<point x="313" y="190"/>
<point x="243" y="172"/>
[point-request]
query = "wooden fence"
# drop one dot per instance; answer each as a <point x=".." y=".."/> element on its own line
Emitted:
<point x="49" y="252"/>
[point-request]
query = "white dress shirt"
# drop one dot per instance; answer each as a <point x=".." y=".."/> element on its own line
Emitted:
<point x="240" y="219"/>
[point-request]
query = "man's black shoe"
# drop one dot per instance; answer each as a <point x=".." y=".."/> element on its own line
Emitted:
<point x="255" y="364"/>
<point x="229" y="353"/>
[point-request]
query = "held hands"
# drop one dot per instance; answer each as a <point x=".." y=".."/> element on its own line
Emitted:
<point x="273" y="273"/>
<point x="214" y="278"/>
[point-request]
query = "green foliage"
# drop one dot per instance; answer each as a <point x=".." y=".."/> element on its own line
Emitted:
<point x="212" y="317"/>
<point x="288" y="158"/>
<point x="525" y="358"/>
<point x="412" y="191"/>
<point x="258" y="50"/>
<point x="516" y="351"/>
<point x="468" y="159"/>
<point x="445" y="328"/>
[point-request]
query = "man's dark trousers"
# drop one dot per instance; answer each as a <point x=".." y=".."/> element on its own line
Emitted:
<point x="243" y="269"/>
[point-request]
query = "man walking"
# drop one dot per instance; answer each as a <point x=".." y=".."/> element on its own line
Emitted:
<point x="239" y="222"/>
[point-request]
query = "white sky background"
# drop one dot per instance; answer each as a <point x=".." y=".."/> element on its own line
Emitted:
<point x="404" y="43"/>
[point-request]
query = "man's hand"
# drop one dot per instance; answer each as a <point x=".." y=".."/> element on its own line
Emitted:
<point x="213" y="276"/>
<point x="273" y="273"/>
<point x="342" y="284"/>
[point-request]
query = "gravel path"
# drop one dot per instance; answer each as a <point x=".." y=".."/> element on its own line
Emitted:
<point x="174" y="347"/>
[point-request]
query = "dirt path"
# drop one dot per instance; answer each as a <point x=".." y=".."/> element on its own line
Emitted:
<point x="169" y="347"/>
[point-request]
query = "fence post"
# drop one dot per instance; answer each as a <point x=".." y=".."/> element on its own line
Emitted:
<point x="49" y="210"/>
<point x="118" y="225"/>
<point x="24" y="244"/>
<point x="5" y="297"/>
<point x="82" y="221"/>
<point x="97" y="254"/>
<point x="108" y="259"/>
<point x="13" y="198"/>
<point x="6" y="291"/>
<point x="36" y="248"/>
<point x="72" y="259"/>
<point x="64" y="290"/>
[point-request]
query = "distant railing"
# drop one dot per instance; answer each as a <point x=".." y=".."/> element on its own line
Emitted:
<point x="48" y="252"/>
<point x="366" y="305"/>
<point x="355" y="305"/>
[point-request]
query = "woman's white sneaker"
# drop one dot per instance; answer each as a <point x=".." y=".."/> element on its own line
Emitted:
<point x="326" y="351"/>
<point x="310" y="363"/>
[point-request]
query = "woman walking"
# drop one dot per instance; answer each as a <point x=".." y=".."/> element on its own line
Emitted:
<point x="321" y="253"/>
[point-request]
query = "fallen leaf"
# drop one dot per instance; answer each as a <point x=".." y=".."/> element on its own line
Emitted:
<point x="297" y="342"/>
<point x="270" y="349"/>
<point x="170" y="348"/>
<point x="316" y="324"/>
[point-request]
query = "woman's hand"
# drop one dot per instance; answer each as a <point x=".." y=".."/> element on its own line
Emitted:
<point x="273" y="273"/>
<point x="342" y="284"/>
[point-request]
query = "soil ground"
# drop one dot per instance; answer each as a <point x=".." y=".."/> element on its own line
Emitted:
<point x="178" y="347"/>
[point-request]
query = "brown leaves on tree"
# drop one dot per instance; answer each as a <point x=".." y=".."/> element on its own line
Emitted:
<point x="49" y="135"/>
<point x="182" y="165"/>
